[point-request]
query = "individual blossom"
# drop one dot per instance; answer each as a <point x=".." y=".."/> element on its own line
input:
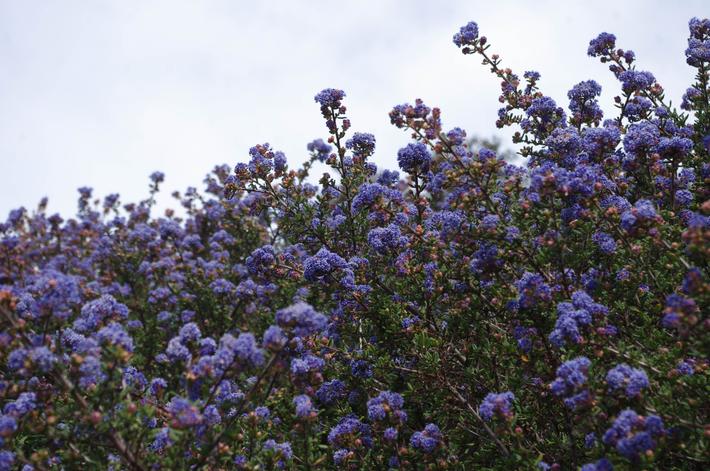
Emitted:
<point x="371" y="193"/>
<point x="176" y="351"/>
<point x="95" y="313"/>
<point x="524" y="337"/>
<point x="157" y="386"/>
<point x="486" y="260"/>
<point x="543" y="115"/>
<point x="134" y="379"/>
<point x="342" y="456"/>
<point x="223" y="287"/>
<point x="26" y="402"/>
<point x="208" y="346"/>
<point x="91" y="372"/>
<point x="690" y="96"/>
<point x="417" y="116"/>
<point x="674" y="148"/>
<point x="245" y="349"/>
<point x="157" y="177"/>
<point x="490" y="222"/>
<point x="261" y="413"/>
<point x="42" y="358"/>
<point x="684" y="198"/>
<point x="637" y="108"/>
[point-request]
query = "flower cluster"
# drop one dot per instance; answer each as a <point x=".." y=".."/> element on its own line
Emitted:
<point x="632" y="381"/>
<point x="634" y="435"/>
<point x="497" y="403"/>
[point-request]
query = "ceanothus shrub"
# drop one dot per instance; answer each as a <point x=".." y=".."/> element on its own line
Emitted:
<point x="460" y="313"/>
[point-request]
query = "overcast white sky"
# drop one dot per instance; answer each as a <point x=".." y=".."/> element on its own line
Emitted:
<point x="102" y="93"/>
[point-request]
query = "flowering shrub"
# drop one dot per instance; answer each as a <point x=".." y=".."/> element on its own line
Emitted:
<point x="465" y="313"/>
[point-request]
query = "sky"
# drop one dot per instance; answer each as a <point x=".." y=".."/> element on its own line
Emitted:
<point x="103" y="93"/>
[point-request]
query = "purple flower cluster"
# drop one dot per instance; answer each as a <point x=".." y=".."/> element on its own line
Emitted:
<point x="603" y="44"/>
<point x="634" y="435"/>
<point x="362" y="144"/>
<point x="571" y="382"/>
<point x="414" y="158"/>
<point x="348" y="436"/>
<point x="632" y="381"/>
<point x="427" y="440"/>
<point x="304" y="406"/>
<point x="386" y="404"/>
<point x="605" y="241"/>
<point x="642" y="213"/>
<point x="533" y="290"/>
<point x="330" y="97"/>
<point x="386" y="239"/>
<point x="301" y="318"/>
<point x="583" y="104"/>
<point x="322" y="264"/>
<point x="572" y="316"/>
<point x="467" y="36"/>
<point x="500" y="404"/>
<point x="601" y="465"/>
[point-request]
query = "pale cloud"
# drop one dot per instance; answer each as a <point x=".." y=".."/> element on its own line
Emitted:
<point x="103" y="93"/>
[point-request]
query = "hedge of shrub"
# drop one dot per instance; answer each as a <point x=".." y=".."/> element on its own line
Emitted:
<point x="460" y="313"/>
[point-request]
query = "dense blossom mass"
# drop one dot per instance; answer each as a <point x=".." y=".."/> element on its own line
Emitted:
<point x="463" y="312"/>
